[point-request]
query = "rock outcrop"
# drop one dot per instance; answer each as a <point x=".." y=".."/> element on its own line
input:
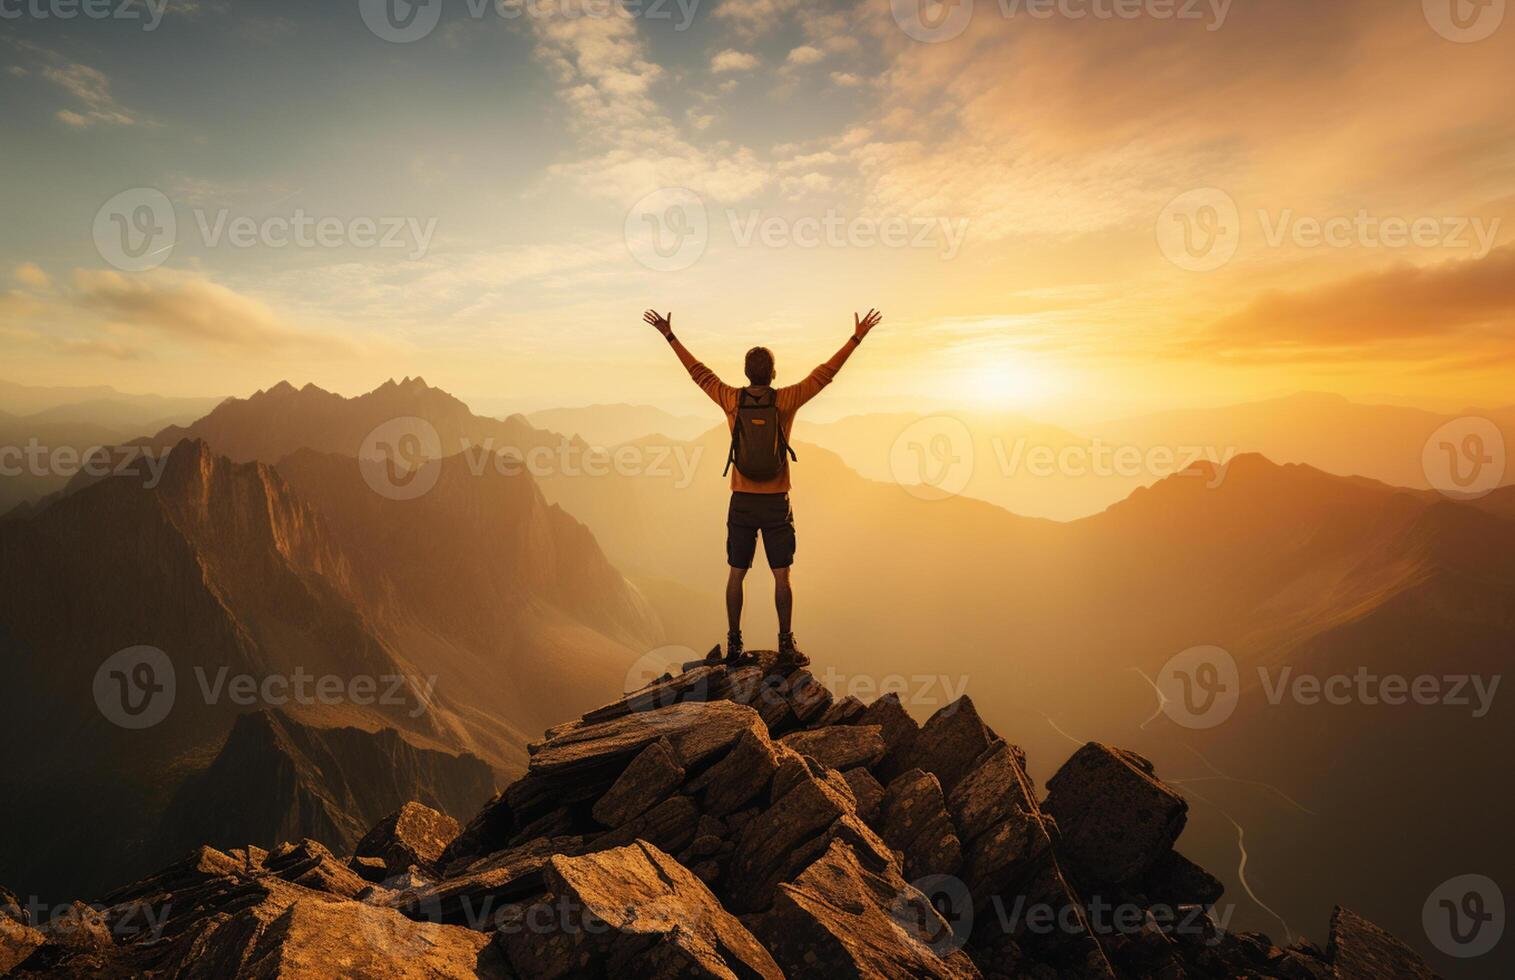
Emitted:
<point x="731" y="822"/>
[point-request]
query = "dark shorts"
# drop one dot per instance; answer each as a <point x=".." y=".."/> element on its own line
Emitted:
<point x="754" y="512"/>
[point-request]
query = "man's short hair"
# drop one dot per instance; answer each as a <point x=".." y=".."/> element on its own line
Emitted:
<point x="759" y="366"/>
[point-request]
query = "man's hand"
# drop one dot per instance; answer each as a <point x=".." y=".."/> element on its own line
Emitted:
<point x="664" y="324"/>
<point x="861" y="326"/>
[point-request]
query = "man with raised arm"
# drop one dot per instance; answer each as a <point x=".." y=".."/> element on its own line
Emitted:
<point x="760" y="418"/>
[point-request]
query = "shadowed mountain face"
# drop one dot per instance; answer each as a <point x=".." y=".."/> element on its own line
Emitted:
<point x="258" y="590"/>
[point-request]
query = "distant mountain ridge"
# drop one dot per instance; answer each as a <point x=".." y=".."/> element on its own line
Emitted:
<point x="235" y="569"/>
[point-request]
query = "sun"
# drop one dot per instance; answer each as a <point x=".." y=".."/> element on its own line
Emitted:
<point x="1004" y="382"/>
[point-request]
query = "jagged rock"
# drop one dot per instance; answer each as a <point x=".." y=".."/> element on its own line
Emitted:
<point x="706" y="682"/>
<point x="310" y="864"/>
<point x="1175" y="880"/>
<point x="740" y="776"/>
<point x="17" y="941"/>
<point x="11" y="907"/>
<point x="797" y="834"/>
<point x="632" y="912"/>
<point x="996" y="785"/>
<point x="811" y="807"/>
<point x="78" y="927"/>
<point x="867" y="792"/>
<point x="696" y="731"/>
<point x="913" y="820"/>
<point x="949" y="744"/>
<point x="652" y="775"/>
<point x="841" y="919"/>
<point x="899" y="731"/>
<point x="669" y="825"/>
<point x="315" y="936"/>
<point x="839" y="746"/>
<point x="415" y="834"/>
<point x="1360" y="950"/>
<point x="488" y="884"/>
<point x="807" y="697"/>
<point x="370" y="869"/>
<point x="842" y="712"/>
<point x="1116" y="818"/>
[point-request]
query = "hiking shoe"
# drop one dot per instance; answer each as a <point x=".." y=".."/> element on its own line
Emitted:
<point x="733" y="646"/>
<point x="787" y="651"/>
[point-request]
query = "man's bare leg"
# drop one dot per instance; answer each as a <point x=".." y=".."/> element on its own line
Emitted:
<point x="783" y="600"/>
<point x="734" y="611"/>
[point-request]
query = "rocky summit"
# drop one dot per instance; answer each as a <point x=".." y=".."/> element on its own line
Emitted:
<point x="730" y="821"/>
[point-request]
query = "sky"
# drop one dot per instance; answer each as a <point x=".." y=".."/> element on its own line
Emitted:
<point x="1064" y="208"/>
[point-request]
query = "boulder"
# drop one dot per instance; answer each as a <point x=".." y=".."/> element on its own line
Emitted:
<point x="842" y="712"/>
<point x="844" y="920"/>
<point x="1360" y="950"/>
<point x="898" y="730"/>
<point x="309" y="863"/>
<point x="993" y="788"/>
<point x="1175" y="880"/>
<point x="1116" y="818"/>
<point x="415" y="835"/>
<point x="695" y="730"/>
<point x="740" y="777"/>
<point x="631" y="911"/>
<point x="651" y="776"/>
<point x="669" y="825"/>
<point x="17" y="942"/>
<point x="913" y="820"/>
<point x="949" y="744"/>
<point x="11" y="907"/>
<point x="316" y="936"/>
<point x="839" y="746"/>
<point x="867" y="793"/>
<point x="477" y="893"/>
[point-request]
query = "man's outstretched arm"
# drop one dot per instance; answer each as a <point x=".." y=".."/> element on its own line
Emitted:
<point x="796" y="395"/>
<point x="721" y="393"/>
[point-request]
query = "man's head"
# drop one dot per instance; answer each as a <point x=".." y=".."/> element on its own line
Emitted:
<point x="759" y="366"/>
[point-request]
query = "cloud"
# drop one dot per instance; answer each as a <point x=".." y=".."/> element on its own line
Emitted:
<point x="631" y="145"/>
<point x="92" y="89"/>
<point x="846" y="79"/>
<point x="30" y="274"/>
<point x="732" y="60"/>
<point x="1405" y="311"/>
<point x="196" y="310"/>
<point x="805" y="55"/>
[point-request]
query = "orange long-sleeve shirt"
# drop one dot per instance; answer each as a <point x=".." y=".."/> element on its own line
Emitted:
<point x="789" y="399"/>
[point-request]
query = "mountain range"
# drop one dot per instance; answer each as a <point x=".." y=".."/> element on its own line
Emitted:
<point x="268" y="545"/>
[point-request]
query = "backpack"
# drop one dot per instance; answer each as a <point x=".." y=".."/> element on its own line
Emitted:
<point x="757" y="439"/>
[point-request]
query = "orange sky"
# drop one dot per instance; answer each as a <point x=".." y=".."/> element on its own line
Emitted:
<point x="1096" y="214"/>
